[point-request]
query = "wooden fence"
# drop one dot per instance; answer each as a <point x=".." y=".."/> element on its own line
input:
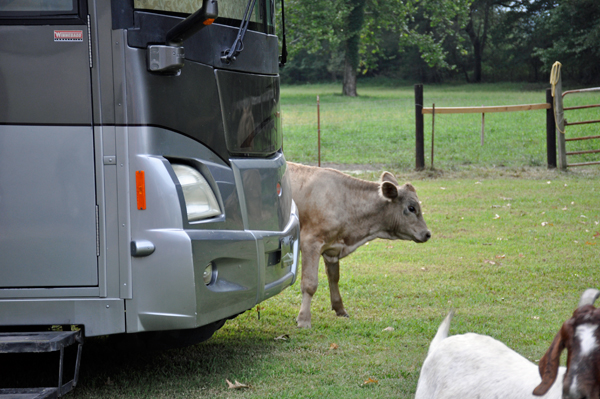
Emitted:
<point x="420" y="110"/>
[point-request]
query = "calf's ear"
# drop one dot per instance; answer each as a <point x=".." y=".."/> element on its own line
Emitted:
<point x="388" y="190"/>
<point x="387" y="176"/>
<point x="410" y="187"/>
<point x="549" y="362"/>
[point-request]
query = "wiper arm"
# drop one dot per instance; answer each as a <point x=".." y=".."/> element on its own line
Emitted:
<point x="238" y="45"/>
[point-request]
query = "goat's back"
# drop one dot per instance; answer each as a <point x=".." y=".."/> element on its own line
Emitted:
<point x="477" y="366"/>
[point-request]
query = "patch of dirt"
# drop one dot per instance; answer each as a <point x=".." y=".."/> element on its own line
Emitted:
<point x="373" y="171"/>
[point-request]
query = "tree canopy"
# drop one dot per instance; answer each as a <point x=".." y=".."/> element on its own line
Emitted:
<point x="442" y="40"/>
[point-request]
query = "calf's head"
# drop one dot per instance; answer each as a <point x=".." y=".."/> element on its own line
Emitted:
<point x="580" y="335"/>
<point x="401" y="211"/>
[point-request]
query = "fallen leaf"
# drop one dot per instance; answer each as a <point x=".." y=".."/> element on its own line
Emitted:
<point x="501" y="256"/>
<point x="491" y="262"/>
<point x="548" y="182"/>
<point x="590" y="243"/>
<point x="388" y="329"/>
<point x="597" y="234"/>
<point x="477" y="182"/>
<point x="237" y="385"/>
<point x="565" y="208"/>
<point x="283" y="337"/>
<point x="544" y="224"/>
<point x="442" y="188"/>
<point x="497" y="216"/>
<point x="369" y="382"/>
<point x="333" y="346"/>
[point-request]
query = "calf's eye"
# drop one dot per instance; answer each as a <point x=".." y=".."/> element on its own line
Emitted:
<point x="412" y="209"/>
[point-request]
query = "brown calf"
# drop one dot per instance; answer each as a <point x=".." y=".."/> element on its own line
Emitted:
<point x="338" y="213"/>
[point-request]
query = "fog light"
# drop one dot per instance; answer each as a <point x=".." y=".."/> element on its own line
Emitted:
<point x="209" y="274"/>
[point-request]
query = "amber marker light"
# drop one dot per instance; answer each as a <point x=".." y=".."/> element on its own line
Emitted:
<point x="209" y="21"/>
<point x="140" y="184"/>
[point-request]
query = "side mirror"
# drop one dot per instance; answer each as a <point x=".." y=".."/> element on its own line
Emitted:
<point x="169" y="58"/>
<point x="205" y="16"/>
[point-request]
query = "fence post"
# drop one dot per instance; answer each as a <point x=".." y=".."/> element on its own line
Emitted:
<point x="550" y="131"/>
<point x="560" y="121"/>
<point x="419" y="134"/>
<point x="319" y="129"/>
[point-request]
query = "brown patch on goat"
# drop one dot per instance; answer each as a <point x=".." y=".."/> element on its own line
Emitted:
<point x="588" y="373"/>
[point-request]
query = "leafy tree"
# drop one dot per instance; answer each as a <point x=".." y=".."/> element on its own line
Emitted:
<point x="356" y="30"/>
<point x="573" y="27"/>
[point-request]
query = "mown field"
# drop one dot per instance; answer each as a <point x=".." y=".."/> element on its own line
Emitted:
<point x="378" y="127"/>
<point x="514" y="245"/>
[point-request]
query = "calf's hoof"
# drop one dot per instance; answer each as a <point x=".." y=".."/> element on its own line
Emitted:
<point x="304" y="324"/>
<point x="342" y="313"/>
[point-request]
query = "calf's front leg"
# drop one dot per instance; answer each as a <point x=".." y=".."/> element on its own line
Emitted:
<point x="332" y="268"/>
<point x="310" y="280"/>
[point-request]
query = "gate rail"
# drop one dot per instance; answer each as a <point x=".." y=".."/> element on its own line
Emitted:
<point x="561" y="122"/>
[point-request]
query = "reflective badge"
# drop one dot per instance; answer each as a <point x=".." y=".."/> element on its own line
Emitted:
<point x="68" y="35"/>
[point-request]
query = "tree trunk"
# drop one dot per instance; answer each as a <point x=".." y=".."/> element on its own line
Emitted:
<point x="478" y="35"/>
<point x="477" y="49"/>
<point x="355" y="23"/>
<point x="349" y="88"/>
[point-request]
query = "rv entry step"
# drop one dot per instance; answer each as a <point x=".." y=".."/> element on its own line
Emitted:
<point x="38" y="342"/>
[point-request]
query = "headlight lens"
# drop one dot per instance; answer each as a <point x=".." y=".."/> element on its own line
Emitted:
<point x="200" y="201"/>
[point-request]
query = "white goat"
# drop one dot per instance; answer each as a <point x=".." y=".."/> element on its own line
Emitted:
<point x="477" y="366"/>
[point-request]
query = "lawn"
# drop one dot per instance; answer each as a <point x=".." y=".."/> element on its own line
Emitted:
<point x="514" y="245"/>
<point x="378" y="127"/>
<point x="510" y="255"/>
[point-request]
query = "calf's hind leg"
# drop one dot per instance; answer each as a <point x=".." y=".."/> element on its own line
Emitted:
<point x="332" y="268"/>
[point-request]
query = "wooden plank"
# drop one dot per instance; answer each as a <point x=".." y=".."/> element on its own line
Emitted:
<point x="479" y="110"/>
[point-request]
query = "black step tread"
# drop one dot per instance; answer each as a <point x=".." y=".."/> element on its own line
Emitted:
<point x="43" y="341"/>
<point x="29" y="393"/>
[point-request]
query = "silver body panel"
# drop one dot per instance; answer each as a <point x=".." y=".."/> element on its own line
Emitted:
<point x="47" y="207"/>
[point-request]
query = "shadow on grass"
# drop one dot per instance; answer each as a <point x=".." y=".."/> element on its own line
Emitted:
<point x="112" y="367"/>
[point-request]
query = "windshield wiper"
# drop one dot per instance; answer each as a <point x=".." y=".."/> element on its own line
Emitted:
<point x="238" y="45"/>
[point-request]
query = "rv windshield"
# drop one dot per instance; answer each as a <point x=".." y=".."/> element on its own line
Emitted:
<point x="231" y="12"/>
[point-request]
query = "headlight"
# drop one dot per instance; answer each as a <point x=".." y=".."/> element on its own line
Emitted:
<point x="200" y="201"/>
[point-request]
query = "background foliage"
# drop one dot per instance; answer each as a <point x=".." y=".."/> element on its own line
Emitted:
<point x="433" y="41"/>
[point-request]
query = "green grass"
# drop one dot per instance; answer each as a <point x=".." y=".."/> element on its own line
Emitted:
<point x="378" y="127"/>
<point x="511" y="256"/>
<point x="512" y="249"/>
